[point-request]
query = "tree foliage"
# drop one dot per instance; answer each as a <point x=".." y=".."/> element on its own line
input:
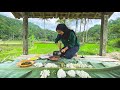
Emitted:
<point x="11" y="29"/>
<point x="94" y="32"/>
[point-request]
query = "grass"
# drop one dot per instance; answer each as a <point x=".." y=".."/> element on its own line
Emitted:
<point x="10" y="42"/>
<point x="89" y="49"/>
<point x="114" y="42"/>
<point x="9" y="51"/>
<point x="93" y="49"/>
<point x="43" y="48"/>
<point x="12" y="49"/>
<point x="112" y="49"/>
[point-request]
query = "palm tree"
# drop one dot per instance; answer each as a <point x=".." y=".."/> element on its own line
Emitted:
<point x="45" y="28"/>
<point x="86" y="38"/>
<point x="87" y="21"/>
<point x="76" y="25"/>
<point x="85" y="32"/>
<point x="61" y="21"/>
<point x="81" y="22"/>
<point x="83" y="40"/>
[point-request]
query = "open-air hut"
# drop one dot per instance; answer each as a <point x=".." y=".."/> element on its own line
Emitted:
<point x="67" y="15"/>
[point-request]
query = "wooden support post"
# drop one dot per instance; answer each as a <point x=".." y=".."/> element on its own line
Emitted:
<point x="103" y="34"/>
<point x="25" y="34"/>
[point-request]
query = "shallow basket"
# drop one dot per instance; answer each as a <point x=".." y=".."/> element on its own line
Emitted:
<point x="23" y="61"/>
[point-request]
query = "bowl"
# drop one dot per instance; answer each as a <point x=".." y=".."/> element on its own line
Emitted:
<point x="53" y="58"/>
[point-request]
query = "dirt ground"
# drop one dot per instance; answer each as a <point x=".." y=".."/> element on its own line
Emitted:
<point x="114" y="55"/>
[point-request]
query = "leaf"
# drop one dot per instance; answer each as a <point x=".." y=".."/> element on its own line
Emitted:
<point x="100" y="71"/>
<point x="13" y="73"/>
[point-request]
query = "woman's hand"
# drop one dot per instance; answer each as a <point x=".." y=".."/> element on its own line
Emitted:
<point x="64" y="50"/>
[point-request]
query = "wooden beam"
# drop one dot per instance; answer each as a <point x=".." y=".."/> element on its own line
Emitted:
<point x="103" y="34"/>
<point x="82" y="15"/>
<point x="56" y="14"/>
<point x="25" y="34"/>
<point x="92" y="15"/>
<point x="68" y="15"/>
<point x="95" y="14"/>
<point x="43" y="15"/>
<point x="32" y="13"/>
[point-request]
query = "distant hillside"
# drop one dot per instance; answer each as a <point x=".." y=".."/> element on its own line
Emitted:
<point x="12" y="29"/>
<point x="113" y="30"/>
<point x="93" y="34"/>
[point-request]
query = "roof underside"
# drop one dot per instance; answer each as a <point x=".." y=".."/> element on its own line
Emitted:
<point x="67" y="15"/>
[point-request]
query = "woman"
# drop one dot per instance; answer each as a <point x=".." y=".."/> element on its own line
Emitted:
<point x="69" y="40"/>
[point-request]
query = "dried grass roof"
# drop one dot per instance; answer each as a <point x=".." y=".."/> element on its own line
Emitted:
<point x="67" y="15"/>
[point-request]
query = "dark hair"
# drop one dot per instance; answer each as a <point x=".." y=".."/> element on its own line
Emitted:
<point x="65" y="29"/>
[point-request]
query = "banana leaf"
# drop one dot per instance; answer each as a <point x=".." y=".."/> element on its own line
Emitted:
<point x="113" y="72"/>
<point x="12" y="73"/>
<point x="100" y="70"/>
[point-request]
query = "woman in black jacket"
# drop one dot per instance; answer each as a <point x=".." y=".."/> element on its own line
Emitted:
<point x="69" y="40"/>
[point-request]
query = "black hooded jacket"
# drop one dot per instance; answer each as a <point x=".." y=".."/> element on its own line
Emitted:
<point x="69" y="37"/>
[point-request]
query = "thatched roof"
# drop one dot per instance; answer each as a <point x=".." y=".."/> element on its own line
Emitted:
<point x="67" y="15"/>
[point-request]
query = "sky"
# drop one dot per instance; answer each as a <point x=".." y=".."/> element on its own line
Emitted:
<point x="51" y="23"/>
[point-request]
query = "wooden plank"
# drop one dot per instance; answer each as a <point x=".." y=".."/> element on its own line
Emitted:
<point x="25" y="34"/>
<point x="103" y="34"/>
